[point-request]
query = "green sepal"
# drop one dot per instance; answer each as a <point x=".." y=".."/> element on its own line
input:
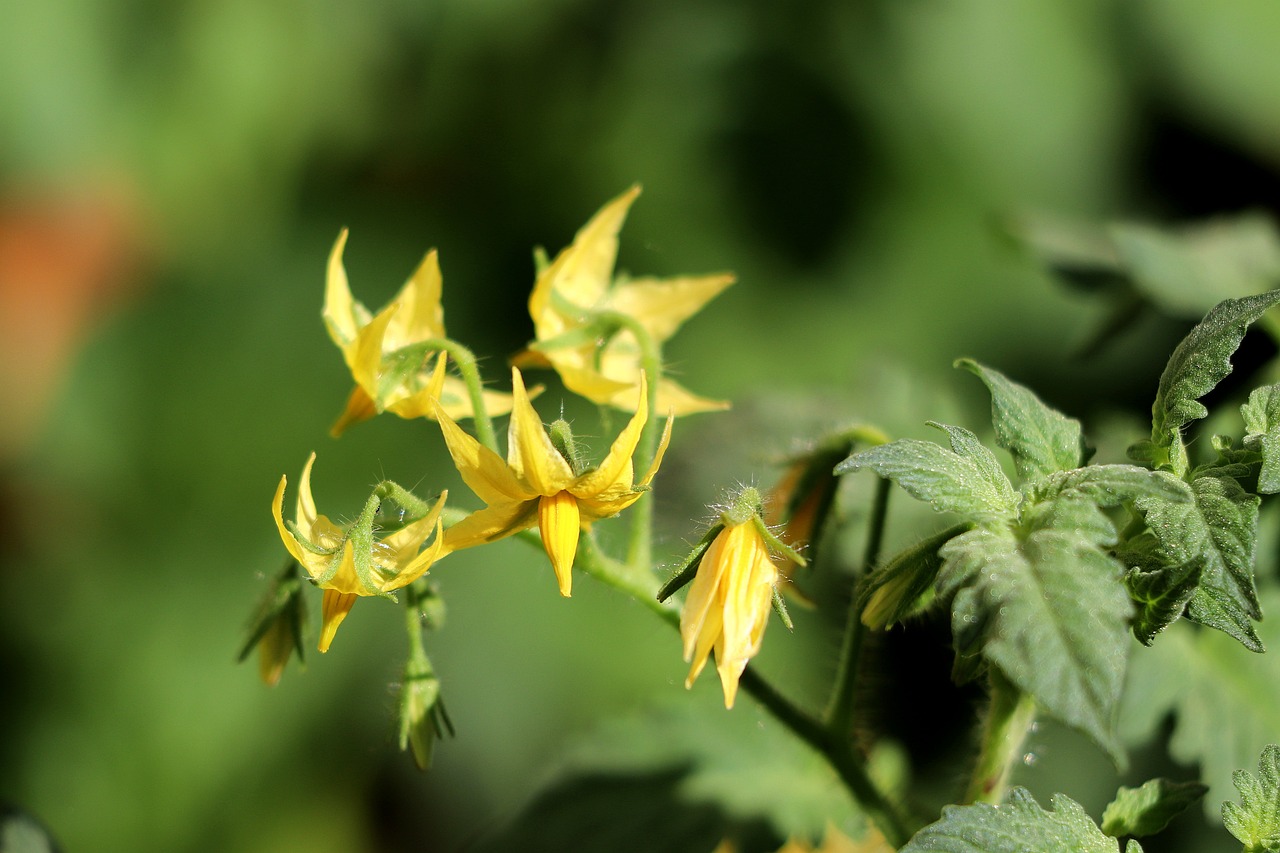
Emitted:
<point x="776" y="545"/>
<point x="688" y="567"/>
<point x="892" y="592"/>
<point x="1148" y="809"/>
<point x="283" y="600"/>
<point x="1016" y="826"/>
<point x="423" y="719"/>
<point x="780" y="607"/>
<point x="1198" y="364"/>
<point x="1041" y="440"/>
<point x="1255" y="822"/>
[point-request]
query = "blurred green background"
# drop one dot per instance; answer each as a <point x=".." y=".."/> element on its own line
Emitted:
<point x="172" y="175"/>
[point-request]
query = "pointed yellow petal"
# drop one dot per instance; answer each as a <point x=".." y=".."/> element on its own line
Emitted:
<point x="662" y="305"/>
<point x="582" y="272"/>
<point x="421" y="316"/>
<point x="482" y="470"/>
<point x="701" y="599"/>
<point x="364" y="358"/>
<point x="491" y="524"/>
<point x="615" y="471"/>
<point x="306" y="514"/>
<point x="360" y="407"/>
<point x="661" y="451"/>
<point x="403" y="545"/>
<point x="530" y="453"/>
<point x="559" y="526"/>
<point x="421" y="563"/>
<point x="339" y="308"/>
<point x="334" y="607"/>
<point x="590" y="383"/>
<point x="422" y="403"/>
<point x="286" y="537"/>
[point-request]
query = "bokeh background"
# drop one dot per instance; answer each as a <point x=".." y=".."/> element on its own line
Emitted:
<point x="172" y="175"/>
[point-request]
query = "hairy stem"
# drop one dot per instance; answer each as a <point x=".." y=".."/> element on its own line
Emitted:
<point x="1009" y="719"/>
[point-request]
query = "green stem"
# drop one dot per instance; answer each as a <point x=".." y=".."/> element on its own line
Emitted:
<point x="469" y="370"/>
<point x="640" y="544"/>
<point x="1009" y="719"/>
<point x="839" y="716"/>
<point x="642" y="586"/>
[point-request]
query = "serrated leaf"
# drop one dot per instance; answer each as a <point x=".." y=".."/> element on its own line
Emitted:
<point x="948" y="481"/>
<point x="1048" y="608"/>
<point x="1040" y="439"/>
<point x="1112" y="485"/>
<point x="1148" y="809"/>
<point x="1018" y="826"/>
<point x="1256" y="820"/>
<point x="1262" y="428"/>
<point x="1225" y="701"/>
<point x="1219" y="527"/>
<point x="1160" y="592"/>
<point x="1200" y="362"/>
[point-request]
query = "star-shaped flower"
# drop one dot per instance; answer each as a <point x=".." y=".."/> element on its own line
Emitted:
<point x="537" y="484"/>
<point x="328" y="553"/>
<point x="577" y="290"/>
<point x="388" y="376"/>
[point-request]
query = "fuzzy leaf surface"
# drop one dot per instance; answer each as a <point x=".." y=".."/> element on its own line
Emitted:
<point x="1256" y="820"/>
<point x="1018" y="826"/>
<point x="1262" y="434"/>
<point x="1224" y="699"/>
<point x="1041" y="440"/>
<point x="1112" y="485"/>
<point x="1148" y="809"/>
<point x="1160" y="592"/>
<point x="968" y="482"/>
<point x="1200" y="362"/>
<point x="1218" y="527"/>
<point x="1049" y="608"/>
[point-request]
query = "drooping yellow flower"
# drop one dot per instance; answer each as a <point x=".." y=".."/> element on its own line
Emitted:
<point x="576" y="288"/>
<point x="537" y="485"/>
<point x="373" y="345"/>
<point x="327" y="553"/>
<point x="728" y="603"/>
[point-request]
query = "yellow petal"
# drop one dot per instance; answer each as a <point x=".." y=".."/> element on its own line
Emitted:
<point x="530" y="453"/>
<point x="334" y="607"/>
<point x="615" y="472"/>
<point x="403" y="545"/>
<point x="339" y="308"/>
<point x="662" y="305"/>
<point x="588" y="382"/>
<point x="364" y="358"/>
<point x="360" y="407"/>
<point x="559" y="526"/>
<point x="421" y="563"/>
<point x="491" y="524"/>
<point x="306" y="514"/>
<point x="659" y="453"/>
<point x="582" y="272"/>
<point x="702" y="595"/>
<point x="290" y="543"/>
<point x="421" y="316"/>
<point x="423" y="402"/>
<point x="482" y="470"/>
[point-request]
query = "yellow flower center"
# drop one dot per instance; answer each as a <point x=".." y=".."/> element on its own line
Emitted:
<point x="559" y="523"/>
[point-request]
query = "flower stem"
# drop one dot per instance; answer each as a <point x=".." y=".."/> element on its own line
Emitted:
<point x="839" y="716"/>
<point x="465" y="359"/>
<point x="1009" y="718"/>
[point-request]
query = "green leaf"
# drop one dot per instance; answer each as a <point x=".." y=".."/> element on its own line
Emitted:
<point x="1262" y="428"/>
<point x="681" y="777"/>
<point x="1040" y="439"/>
<point x="1225" y="701"/>
<point x="1219" y="528"/>
<point x="1112" y="485"/>
<point x="1048" y="607"/>
<point x="1148" y="809"/>
<point x="1256" y="821"/>
<point x="966" y="480"/>
<point x="1200" y="362"/>
<point x="1018" y="826"/>
<point x="1185" y="270"/>
<point x="1159" y="592"/>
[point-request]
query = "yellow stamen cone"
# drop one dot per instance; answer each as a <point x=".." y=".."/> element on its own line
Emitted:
<point x="559" y="523"/>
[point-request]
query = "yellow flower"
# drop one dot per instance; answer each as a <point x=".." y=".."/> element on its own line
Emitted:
<point x="538" y="485"/>
<point x="728" y="603"/>
<point x="370" y="344"/>
<point x="327" y="552"/>
<point x="578" y="287"/>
